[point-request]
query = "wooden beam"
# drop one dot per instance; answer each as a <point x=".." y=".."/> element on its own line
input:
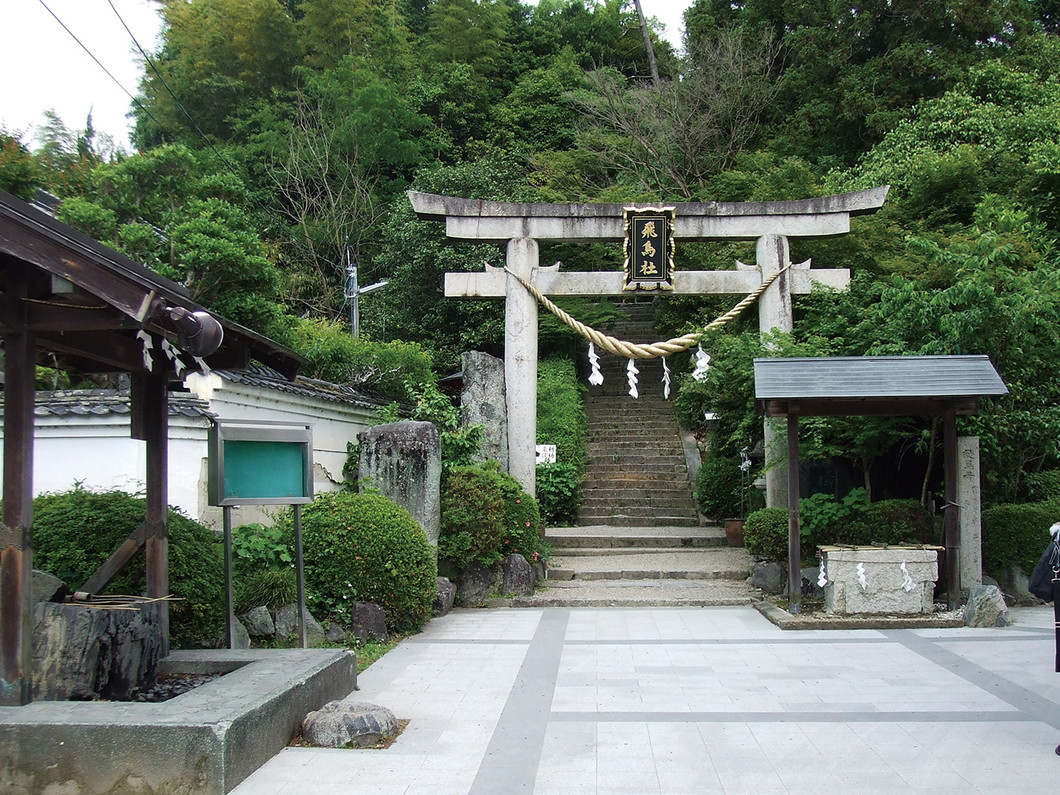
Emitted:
<point x="152" y="400"/>
<point x="794" y="525"/>
<point x="117" y="561"/>
<point x="873" y="407"/>
<point x="16" y="534"/>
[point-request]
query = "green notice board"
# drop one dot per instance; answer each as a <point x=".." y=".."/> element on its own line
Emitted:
<point x="260" y="463"/>
<point x="263" y="469"/>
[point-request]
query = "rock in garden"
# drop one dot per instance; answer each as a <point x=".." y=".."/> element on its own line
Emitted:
<point x="287" y="624"/>
<point x="986" y="608"/>
<point x="810" y="588"/>
<point x="335" y="633"/>
<point x="477" y="582"/>
<point x="47" y="587"/>
<point x="769" y="577"/>
<point x="444" y="597"/>
<point x="368" y="622"/>
<point x="518" y="576"/>
<point x="259" y="623"/>
<point x="240" y="636"/>
<point x="339" y="724"/>
<point x="84" y="653"/>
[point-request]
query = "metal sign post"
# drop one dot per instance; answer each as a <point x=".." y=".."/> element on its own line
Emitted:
<point x="261" y="463"/>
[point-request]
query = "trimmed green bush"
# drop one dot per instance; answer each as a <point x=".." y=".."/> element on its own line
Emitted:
<point x="364" y="548"/>
<point x="825" y="520"/>
<point x="522" y="520"/>
<point x="473" y="516"/>
<point x="718" y="488"/>
<point x="887" y="522"/>
<point x="74" y="532"/>
<point x="559" y="492"/>
<point x="1016" y="535"/>
<point x="486" y="515"/>
<point x="765" y="534"/>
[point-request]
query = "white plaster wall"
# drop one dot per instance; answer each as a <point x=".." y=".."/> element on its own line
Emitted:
<point x="334" y="424"/>
<point x="97" y="452"/>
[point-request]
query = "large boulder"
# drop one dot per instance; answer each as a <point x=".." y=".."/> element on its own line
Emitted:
<point x="368" y="622"/>
<point x="259" y="623"/>
<point x="341" y="724"/>
<point x="986" y="608"/>
<point x="518" y="576"/>
<point x="769" y="577"/>
<point x="287" y="625"/>
<point x="477" y="582"/>
<point x="86" y="653"/>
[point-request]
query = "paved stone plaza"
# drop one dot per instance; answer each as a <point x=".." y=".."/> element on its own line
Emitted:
<point x="683" y="700"/>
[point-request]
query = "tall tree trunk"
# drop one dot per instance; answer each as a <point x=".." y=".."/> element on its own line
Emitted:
<point x="647" y="44"/>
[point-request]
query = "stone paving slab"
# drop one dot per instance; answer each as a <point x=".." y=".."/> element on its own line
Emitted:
<point x="690" y="700"/>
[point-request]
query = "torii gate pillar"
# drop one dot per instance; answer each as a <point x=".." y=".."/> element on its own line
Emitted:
<point x="521" y="226"/>
<point x="775" y="314"/>
<point x="520" y="363"/>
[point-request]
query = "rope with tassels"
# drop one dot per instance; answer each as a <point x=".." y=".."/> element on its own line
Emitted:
<point x="652" y="350"/>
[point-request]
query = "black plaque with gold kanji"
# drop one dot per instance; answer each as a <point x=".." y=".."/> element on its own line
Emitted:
<point x="649" y="248"/>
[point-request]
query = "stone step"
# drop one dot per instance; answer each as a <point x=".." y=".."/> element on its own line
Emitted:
<point x="609" y="492"/>
<point x="640" y="593"/>
<point x="715" y="563"/>
<point x="648" y="501"/>
<point x="571" y="540"/>
<point x="623" y="520"/>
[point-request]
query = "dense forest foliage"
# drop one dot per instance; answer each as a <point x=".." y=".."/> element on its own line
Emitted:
<point x="276" y="139"/>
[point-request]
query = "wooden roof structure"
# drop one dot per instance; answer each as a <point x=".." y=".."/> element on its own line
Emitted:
<point x="938" y="386"/>
<point x="67" y="301"/>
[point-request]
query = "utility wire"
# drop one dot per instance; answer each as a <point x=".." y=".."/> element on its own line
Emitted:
<point x="117" y="82"/>
<point x="184" y="110"/>
<point x="209" y="143"/>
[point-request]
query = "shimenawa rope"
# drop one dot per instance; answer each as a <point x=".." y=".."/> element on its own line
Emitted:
<point x="652" y="350"/>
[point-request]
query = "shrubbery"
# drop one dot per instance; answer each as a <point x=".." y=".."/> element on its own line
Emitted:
<point x="851" y="520"/>
<point x="74" y="532"/>
<point x="486" y="515"/>
<point x="560" y="421"/>
<point x="887" y="522"/>
<point x="718" y="488"/>
<point x="364" y="548"/>
<point x="765" y="534"/>
<point x="1016" y="534"/>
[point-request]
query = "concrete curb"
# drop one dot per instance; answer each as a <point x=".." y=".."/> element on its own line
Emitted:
<point x="204" y="741"/>
<point x="785" y="620"/>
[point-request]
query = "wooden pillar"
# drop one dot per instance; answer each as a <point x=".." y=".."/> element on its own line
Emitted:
<point x="151" y="407"/>
<point x="950" y="516"/>
<point x="794" y="525"/>
<point x="16" y="534"/>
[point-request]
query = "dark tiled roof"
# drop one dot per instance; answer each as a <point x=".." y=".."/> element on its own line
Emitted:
<point x="85" y="402"/>
<point x="267" y="378"/>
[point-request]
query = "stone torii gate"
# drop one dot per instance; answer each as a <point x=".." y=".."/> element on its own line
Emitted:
<point x="521" y="226"/>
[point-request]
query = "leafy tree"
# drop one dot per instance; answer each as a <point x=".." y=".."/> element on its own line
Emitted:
<point x="347" y="147"/>
<point x="19" y="173"/>
<point x="668" y="139"/>
<point x="215" y="56"/>
<point x="370" y="30"/>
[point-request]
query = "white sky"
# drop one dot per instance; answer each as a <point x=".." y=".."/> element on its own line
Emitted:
<point x="43" y="68"/>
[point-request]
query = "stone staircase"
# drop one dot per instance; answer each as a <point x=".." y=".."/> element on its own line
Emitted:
<point x="639" y="540"/>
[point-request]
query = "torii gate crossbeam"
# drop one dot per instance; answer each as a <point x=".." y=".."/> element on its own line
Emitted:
<point x="521" y="225"/>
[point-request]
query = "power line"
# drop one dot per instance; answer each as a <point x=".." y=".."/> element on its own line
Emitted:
<point x="195" y="126"/>
<point x="203" y="135"/>
<point x="117" y="82"/>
